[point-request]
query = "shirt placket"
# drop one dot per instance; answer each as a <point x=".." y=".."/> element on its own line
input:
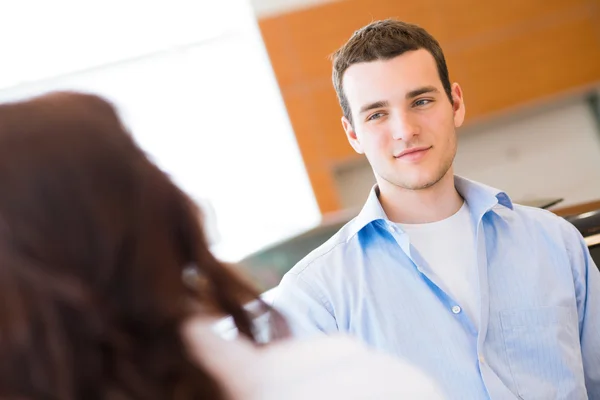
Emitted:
<point x="432" y="280"/>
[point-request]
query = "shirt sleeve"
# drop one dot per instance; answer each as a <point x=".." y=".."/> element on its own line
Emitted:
<point x="587" y="287"/>
<point x="307" y="311"/>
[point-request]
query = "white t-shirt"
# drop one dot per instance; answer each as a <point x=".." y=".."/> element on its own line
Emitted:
<point x="449" y="247"/>
<point x="320" y="368"/>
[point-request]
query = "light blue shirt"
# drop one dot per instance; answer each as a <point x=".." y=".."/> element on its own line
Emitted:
<point x="539" y="301"/>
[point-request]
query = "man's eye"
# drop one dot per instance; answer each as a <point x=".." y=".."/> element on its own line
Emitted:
<point x="422" y="102"/>
<point x="375" y="116"/>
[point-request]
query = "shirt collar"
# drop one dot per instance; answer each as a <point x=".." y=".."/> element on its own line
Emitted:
<point x="480" y="198"/>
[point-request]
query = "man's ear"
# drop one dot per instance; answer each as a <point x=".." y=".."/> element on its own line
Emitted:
<point x="458" y="105"/>
<point x="351" y="136"/>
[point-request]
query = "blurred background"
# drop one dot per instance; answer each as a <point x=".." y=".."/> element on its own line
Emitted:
<point x="234" y="99"/>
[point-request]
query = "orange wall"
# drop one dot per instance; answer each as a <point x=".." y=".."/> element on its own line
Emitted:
<point x="504" y="54"/>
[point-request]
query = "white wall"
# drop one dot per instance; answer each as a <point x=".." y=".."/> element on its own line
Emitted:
<point x="204" y="104"/>
<point x="267" y="8"/>
<point x="44" y="39"/>
<point x="552" y="151"/>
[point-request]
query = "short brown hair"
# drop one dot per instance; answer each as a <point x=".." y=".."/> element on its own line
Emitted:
<point x="384" y="40"/>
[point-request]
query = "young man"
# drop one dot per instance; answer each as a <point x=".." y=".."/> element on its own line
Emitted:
<point x="491" y="299"/>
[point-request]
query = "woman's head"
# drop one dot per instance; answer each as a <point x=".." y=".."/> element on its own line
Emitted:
<point x="93" y="242"/>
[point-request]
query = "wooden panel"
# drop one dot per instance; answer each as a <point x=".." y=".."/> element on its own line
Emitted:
<point x="504" y="54"/>
<point x="514" y="70"/>
<point x="300" y="43"/>
<point x="324" y="110"/>
<point x="468" y="22"/>
<point x="300" y="105"/>
<point x="577" y="209"/>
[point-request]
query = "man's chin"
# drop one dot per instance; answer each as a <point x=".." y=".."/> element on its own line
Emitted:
<point x="420" y="183"/>
<point x="414" y="179"/>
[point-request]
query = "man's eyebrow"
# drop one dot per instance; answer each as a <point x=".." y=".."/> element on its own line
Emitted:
<point x="371" y="106"/>
<point x="422" y="90"/>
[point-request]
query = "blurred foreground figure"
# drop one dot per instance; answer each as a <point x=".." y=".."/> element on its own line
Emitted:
<point x="95" y="243"/>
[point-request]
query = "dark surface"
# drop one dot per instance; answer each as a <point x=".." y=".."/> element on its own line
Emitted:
<point x="595" y="253"/>
<point x="588" y="223"/>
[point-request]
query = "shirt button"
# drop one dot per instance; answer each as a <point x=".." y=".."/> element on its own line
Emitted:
<point x="392" y="228"/>
<point x="456" y="309"/>
<point x="481" y="359"/>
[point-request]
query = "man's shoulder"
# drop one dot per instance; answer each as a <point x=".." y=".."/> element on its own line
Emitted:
<point x="327" y="252"/>
<point x="544" y="220"/>
<point x="539" y="214"/>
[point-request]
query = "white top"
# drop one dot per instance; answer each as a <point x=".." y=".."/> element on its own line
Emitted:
<point x="320" y="368"/>
<point x="449" y="247"/>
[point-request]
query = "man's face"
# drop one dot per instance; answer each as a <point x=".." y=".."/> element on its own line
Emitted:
<point x="402" y="119"/>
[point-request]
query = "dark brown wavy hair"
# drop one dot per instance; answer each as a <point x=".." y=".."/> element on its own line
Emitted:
<point x="94" y="239"/>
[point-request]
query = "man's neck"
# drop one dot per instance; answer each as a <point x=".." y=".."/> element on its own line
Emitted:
<point x="432" y="204"/>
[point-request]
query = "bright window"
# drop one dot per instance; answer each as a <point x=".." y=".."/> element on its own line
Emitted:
<point x="193" y="82"/>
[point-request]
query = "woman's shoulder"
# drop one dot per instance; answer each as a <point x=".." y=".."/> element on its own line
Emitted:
<point x="320" y="367"/>
<point x="337" y="366"/>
